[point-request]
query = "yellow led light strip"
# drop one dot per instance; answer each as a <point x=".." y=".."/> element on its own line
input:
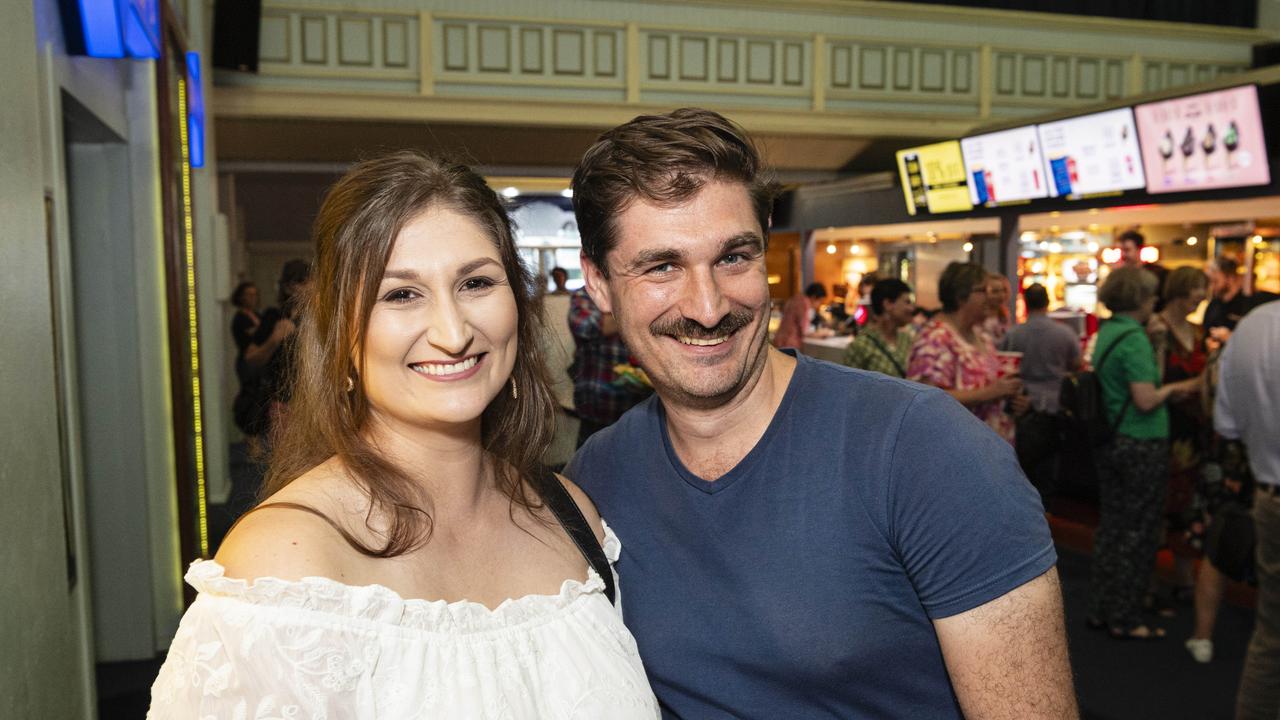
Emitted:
<point x="193" y="326"/>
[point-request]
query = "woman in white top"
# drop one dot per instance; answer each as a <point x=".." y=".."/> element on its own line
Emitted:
<point x="410" y="560"/>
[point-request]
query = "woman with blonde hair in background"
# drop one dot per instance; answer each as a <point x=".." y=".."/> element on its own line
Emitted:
<point x="1133" y="467"/>
<point x="411" y="559"/>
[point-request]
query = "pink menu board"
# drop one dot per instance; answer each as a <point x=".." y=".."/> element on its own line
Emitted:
<point x="1199" y="142"/>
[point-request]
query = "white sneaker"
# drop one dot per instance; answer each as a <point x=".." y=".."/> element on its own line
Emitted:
<point x="1200" y="649"/>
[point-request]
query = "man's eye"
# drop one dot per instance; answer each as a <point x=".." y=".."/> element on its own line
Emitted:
<point x="733" y="259"/>
<point x="663" y="268"/>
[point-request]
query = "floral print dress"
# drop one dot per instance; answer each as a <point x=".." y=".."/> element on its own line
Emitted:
<point x="942" y="358"/>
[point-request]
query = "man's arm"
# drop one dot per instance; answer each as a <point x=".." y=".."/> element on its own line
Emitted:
<point x="1008" y="658"/>
<point x="1223" y="422"/>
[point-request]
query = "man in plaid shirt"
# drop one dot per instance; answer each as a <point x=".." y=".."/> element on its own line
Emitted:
<point x="599" y="395"/>
<point x="883" y="345"/>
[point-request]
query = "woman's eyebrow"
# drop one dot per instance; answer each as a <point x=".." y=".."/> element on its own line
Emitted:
<point x="413" y="276"/>
<point x="477" y="264"/>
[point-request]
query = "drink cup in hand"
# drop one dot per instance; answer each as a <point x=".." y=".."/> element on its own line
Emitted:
<point x="1010" y="363"/>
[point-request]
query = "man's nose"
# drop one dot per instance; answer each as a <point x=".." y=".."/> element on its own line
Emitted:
<point x="704" y="301"/>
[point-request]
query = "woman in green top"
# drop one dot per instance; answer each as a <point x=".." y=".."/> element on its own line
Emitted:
<point x="1133" y="468"/>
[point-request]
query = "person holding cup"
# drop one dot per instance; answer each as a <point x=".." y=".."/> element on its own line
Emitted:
<point x="953" y="354"/>
<point x="1051" y="350"/>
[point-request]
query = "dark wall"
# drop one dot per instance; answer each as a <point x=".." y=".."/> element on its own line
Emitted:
<point x="1232" y="13"/>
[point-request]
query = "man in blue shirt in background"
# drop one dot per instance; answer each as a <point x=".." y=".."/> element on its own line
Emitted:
<point x="799" y="539"/>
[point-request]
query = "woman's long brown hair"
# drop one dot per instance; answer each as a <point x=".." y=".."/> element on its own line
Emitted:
<point x="354" y="234"/>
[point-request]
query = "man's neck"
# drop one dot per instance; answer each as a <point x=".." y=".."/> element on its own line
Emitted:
<point x="710" y="442"/>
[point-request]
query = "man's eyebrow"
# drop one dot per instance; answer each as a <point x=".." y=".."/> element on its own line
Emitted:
<point x="656" y="256"/>
<point x="743" y="241"/>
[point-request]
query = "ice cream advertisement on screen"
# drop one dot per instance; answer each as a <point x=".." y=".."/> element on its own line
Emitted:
<point x="1212" y="140"/>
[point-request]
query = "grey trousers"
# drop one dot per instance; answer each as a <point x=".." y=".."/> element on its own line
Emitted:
<point x="1259" y="697"/>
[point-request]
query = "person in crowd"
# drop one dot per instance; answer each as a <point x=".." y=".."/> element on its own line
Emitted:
<point x="1133" y="467"/>
<point x="920" y="318"/>
<point x="559" y="279"/>
<point x="884" y="345"/>
<point x="1222" y="498"/>
<point x="999" y="318"/>
<point x="244" y="323"/>
<point x="245" y="320"/>
<point x="600" y="392"/>
<point x="798" y="317"/>
<point x="410" y="558"/>
<point x="1227" y="303"/>
<point x="1180" y="353"/>
<point x="862" y="309"/>
<point x="266" y="360"/>
<point x="1229" y="299"/>
<point x="1050" y="351"/>
<point x="558" y="347"/>
<point x="803" y="539"/>
<point x="1131" y="244"/>
<point x="1248" y="408"/>
<point x="952" y="352"/>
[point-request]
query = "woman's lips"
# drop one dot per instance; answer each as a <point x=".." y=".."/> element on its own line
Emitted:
<point x="449" y="370"/>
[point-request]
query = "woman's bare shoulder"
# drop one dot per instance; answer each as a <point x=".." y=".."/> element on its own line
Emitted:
<point x="287" y="535"/>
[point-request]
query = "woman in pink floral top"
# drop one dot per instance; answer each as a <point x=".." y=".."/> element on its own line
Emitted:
<point x="952" y="354"/>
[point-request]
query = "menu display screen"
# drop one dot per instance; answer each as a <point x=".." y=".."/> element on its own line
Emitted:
<point x="1005" y="166"/>
<point x="1092" y="154"/>
<point x="933" y="178"/>
<point x="1200" y="142"/>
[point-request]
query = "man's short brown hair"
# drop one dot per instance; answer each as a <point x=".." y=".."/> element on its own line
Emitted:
<point x="664" y="160"/>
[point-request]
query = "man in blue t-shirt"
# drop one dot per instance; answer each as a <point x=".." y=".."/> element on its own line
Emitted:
<point x="799" y="539"/>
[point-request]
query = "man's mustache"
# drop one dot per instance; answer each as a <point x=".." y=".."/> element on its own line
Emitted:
<point x="684" y="327"/>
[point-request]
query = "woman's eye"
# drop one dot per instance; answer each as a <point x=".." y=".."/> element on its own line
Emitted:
<point x="399" y="296"/>
<point x="477" y="283"/>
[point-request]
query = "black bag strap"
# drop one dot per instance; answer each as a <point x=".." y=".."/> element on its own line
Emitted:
<point x="1097" y="370"/>
<point x="571" y="519"/>
<point x="901" y="370"/>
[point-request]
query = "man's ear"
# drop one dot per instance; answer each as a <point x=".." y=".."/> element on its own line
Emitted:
<point x="597" y="285"/>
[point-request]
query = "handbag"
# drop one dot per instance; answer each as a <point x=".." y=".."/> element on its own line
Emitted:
<point x="1230" y="540"/>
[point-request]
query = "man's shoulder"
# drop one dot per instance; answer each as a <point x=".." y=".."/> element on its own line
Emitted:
<point x="619" y="442"/>
<point x="865" y="402"/>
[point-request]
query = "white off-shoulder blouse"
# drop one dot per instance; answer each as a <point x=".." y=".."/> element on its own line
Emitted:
<point x="317" y="648"/>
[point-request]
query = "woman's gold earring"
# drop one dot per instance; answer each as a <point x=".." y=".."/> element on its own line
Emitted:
<point x="515" y="394"/>
<point x="351" y="384"/>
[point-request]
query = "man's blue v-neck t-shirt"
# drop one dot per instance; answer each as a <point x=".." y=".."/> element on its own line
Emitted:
<point x="804" y="582"/>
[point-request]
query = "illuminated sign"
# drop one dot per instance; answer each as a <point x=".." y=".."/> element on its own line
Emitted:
<point x="1199" y="142"/>
<point x="112" y="28"/>
<point x="1092" y="154"/>
<point x="933" y="177"/>
<point x="195" y="111"/>
<point x="1005" y="166"/>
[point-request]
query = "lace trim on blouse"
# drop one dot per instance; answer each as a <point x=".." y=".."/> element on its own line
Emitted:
<point x="382" y="605"/>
